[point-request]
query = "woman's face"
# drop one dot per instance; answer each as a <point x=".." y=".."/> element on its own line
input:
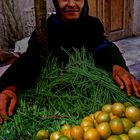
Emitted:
<point x="70" y="9"/>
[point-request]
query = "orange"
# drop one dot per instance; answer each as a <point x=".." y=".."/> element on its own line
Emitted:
<point x="87" y="118"/>
<point x="114" y="137"/>
<point x="42" y="134"/>
<point x="77" y="132"/>
<point x="65" y="127"/>
<point x="55" y="135"/>
<point x="96" y="114"/>
<point x="127" y="124"/>
<point x="67" y="133"/>
<point x="137" y="123"/>
<point x="87" y="123"/>
<point x="112" y="115"/>
<point x="116" y="126"/>
<point x="95" y="123"/>
<point x="86" y="128"/>
<point x="91" y="134"/>
<point x="103" y="117"/>
<point x="134" y="133"/>
<point x="132" y="113"/>
<point x="63" y="138"/>
<point x="118" y="109"/>
<point x="91" y="116"/>
<point x="124" y="137"/>
<point x="107" y="108"/>
<point x="104" y="130"/>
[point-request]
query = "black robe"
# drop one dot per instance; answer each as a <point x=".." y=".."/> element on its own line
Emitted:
<point x="87" y="33"/>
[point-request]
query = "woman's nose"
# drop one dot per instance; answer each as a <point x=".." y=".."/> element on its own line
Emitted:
<point x="71" y="3"/>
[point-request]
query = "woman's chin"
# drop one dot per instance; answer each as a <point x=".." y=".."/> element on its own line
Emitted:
<point x="71" y="17"/>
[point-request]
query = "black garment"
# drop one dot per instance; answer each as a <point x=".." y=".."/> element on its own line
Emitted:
<point x="88" y="33"/>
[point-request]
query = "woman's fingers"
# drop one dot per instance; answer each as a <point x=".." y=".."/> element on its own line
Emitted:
<point x="8" y="101"/>
<point x="136" y="86"/>
<point x="124" y="78"/>
<point x="118" y="81"/>
<point x="12" y="105"/>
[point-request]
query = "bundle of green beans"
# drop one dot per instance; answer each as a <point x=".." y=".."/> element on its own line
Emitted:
<point x="78" y="89"/>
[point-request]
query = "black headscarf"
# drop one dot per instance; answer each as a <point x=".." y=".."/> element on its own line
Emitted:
<point x="84" y="12"/>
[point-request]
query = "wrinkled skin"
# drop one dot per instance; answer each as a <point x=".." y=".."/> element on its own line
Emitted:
<point x="70" y="9"/>
<point x="126" y="80"/>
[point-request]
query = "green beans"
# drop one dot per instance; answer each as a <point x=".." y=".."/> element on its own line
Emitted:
<point x="78" y="88"/>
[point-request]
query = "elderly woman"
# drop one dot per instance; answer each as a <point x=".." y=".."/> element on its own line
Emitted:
<point x="71" y="27"/>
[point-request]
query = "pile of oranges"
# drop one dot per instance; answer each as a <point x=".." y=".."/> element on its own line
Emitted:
<point x="117" y="121"/>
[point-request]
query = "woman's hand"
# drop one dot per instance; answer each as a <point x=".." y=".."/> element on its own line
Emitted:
<point x="8" y="101"/>
<point x="124" y="79"/>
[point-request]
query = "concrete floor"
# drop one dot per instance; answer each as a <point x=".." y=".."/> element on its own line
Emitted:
<point x="130" y="48"/>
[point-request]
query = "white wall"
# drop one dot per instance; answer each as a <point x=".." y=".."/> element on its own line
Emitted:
<point x="28" y="14"/>
<point x="25" y="15"/>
